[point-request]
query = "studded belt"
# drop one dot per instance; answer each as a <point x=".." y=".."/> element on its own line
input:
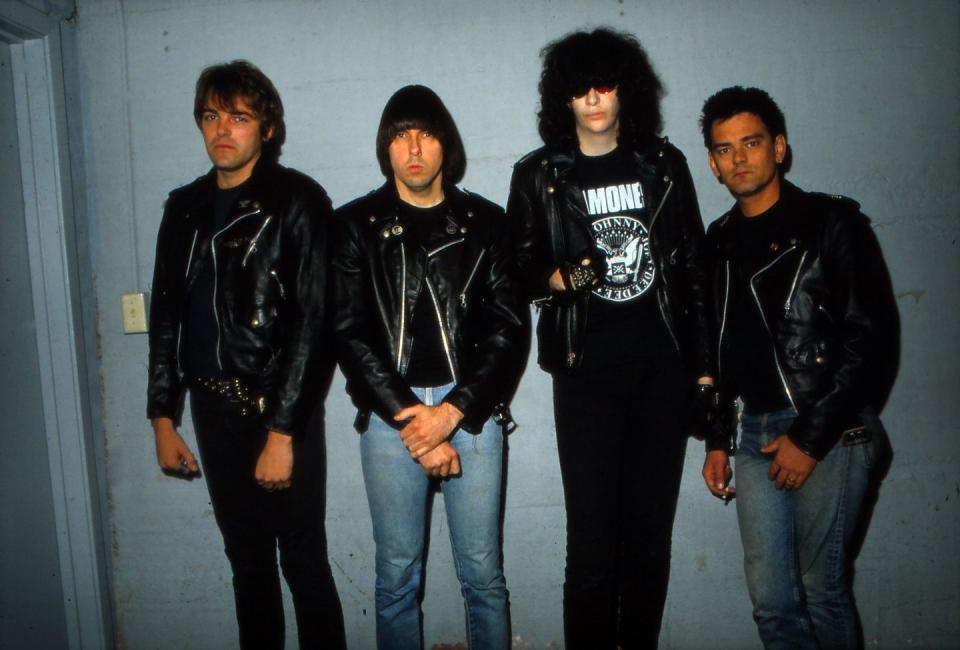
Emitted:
<point x="235" y="390"/>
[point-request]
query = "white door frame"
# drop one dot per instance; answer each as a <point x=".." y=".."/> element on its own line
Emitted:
<point x="41" y="105"/>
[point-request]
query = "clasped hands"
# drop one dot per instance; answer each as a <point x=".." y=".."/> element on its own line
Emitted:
<point x="426" y="436"/>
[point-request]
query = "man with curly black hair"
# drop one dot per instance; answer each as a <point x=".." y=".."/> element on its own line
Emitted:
<point x="609" y="239"/>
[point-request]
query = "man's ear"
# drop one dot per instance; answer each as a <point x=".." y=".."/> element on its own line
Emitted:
<point x="268" y="135"/>
<point x="780" y="148"/>
<point x="713" y="165"/>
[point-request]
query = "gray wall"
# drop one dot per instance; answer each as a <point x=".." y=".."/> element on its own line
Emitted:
<point x="31" y="597"/>
<point x="871" y="92"/>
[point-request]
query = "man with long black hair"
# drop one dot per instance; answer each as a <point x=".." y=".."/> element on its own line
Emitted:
<point x="609" y="238"/>
<point x="430" y="324"/>
<point x="237" y="315"/>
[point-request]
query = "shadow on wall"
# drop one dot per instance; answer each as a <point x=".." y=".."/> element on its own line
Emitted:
<point x="884" y="373"/>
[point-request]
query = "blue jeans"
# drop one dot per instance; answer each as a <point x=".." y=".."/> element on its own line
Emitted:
<point x="796" y="543"/>
<point x="397" y="491"/>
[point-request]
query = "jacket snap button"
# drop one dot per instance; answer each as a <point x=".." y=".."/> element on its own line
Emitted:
<point x="666" y="179"/>
<point x="469" y="214"/>
<point x="372" y="218"/>
<point x="463" y="230"/>
<point x="819" y="361"/>
<point x="774" y="246"/>
<point x="385" y="233"/>
<point x="550" y="189"/>
<point x="543" y="163"/>
<point x="397" y="230"/>
<point x="793" y="241"/>
<point x="254" y="322"/>
<point x="451" y="230"/>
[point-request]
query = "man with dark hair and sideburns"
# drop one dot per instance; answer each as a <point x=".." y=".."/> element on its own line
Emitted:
<point x="807" y="352"/>
<point x="609" y="243"/>
<point x="430" y="326"/>
<point x="236" y="319"/>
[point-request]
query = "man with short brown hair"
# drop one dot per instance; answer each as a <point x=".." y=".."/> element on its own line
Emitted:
<point x="236" y="318"/>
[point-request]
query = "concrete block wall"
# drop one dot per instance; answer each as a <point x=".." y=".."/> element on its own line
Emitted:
<point x="870" y="89"/>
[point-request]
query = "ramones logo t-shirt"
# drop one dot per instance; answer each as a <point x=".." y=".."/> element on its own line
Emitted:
<point x="624" y="320"/>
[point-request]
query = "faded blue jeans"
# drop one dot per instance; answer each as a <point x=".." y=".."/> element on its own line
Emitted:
<point x="795" y="543"/>
<point x="397" y="491"/>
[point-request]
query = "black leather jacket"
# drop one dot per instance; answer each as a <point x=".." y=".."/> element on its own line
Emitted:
<point x="547" y="212"/>
<point x="465" y="267"/>
<point x="826" y="301"/>
<point x="270" y="274"/>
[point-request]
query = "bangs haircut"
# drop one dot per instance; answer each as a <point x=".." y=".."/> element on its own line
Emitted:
<point x="418" y="107"/>
<point x="734" y="100"/>
<point x="604" y="57"/>
<point x="225" y="84"/>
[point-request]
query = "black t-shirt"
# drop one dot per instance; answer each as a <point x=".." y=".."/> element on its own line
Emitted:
<point x="200" y="327"/>
<point x="428" y="364"/>
<point x="624" y="323"/>
<point x="751" y="368"/>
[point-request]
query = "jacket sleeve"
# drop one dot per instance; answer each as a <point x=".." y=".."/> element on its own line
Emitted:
<point x="372" y="380"/>
<point x="528" y="239"/>
<point x="304" y="272"/>
<point x="692" y="250"/>
<point x="164" y="385"/>
<point x="861" y="305"/>
<point x="496" y="351"/>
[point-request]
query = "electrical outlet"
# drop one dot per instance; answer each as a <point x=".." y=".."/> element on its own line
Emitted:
<point x="134" y="307"/>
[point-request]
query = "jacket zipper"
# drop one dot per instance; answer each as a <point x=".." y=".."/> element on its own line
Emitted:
<point x="186" y="273"/>
<point x="445" y="246"/>
<point x="253" y="242"/>
<point x="443" y="329"/>
<point x="213" y="252"/>
<point x="403" y="303"/>
<point x="793" y="286"/>
<point x="663" y="312"/>
<point x="276" y="276"/>
<point x="463" y="293"/>
<point x="763" y="317"/>
<point x="723" y="319"/>
<point x="559" y="195"/>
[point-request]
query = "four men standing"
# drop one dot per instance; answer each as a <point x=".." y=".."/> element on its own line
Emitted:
<point x="428" y="290"/>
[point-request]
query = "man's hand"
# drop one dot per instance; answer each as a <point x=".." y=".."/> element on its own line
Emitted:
<point x="556" y="281"/>
<point x="442" y="461"/>
<point x="790" y="466"/>
<point x="428" y="426"/>
<point x="173" y="455"/>
<point x="574" y="276"/>
<point x="275" y="463"/>
<point x="717" y="473"/>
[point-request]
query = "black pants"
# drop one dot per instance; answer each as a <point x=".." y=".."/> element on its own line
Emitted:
<point x="253" y="522"/>
<point x="621" y="444"/>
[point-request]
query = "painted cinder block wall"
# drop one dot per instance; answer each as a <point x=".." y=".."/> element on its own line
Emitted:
<point x="870" y="90"/>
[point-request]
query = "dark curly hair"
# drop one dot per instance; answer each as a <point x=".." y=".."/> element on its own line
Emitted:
<point x="225" y="83"/>
<point x="731" y="101"/>
<point x="604" y="57"/>
<point x="418" y="107"/>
